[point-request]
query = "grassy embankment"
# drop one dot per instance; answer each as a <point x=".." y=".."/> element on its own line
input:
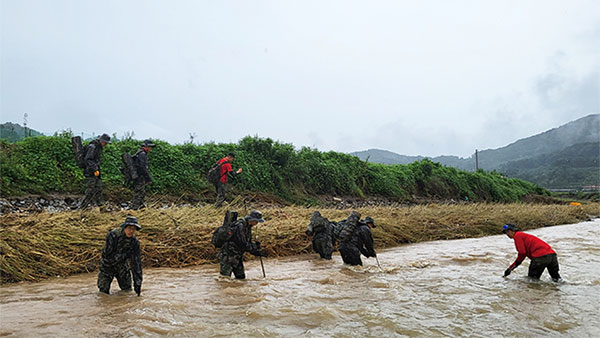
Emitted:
<point x="38" y="246"/>
<point x="46" y="165"/>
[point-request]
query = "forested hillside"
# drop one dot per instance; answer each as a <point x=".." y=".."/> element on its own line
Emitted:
<point x="552" y="159"/>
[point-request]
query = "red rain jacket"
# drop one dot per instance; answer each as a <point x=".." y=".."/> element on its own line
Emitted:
<point x="529" y="246"/>
<point x="225" y="169"/>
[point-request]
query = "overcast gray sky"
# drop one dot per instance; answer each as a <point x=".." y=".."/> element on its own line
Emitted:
<point x="413" y="77"/>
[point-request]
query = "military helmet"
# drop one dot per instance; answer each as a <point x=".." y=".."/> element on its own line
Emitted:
<point x="148" y="143"/>
<point x="130" y="220"/>
<point x="104" y="138"/>
<point x="369" y="220"/>
<point x="255" y="215"/>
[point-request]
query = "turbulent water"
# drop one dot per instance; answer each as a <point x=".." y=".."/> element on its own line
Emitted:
<point x="443" y="288"/>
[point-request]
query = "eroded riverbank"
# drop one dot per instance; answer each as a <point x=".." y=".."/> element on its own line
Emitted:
<point x="42" y="245"/>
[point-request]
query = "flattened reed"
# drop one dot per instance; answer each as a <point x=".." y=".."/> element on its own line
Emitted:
<point x="43" y="245"/>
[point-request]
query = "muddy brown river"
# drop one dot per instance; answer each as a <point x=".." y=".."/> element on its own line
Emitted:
<point x="442" y="288"/>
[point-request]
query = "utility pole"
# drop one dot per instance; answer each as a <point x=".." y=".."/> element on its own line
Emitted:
<point x="476" y="160"/>
<point x="25" y="125"/>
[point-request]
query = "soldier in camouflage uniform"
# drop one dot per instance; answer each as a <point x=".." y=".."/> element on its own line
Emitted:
<point x="121" y="258"/>
<point x="232" y="252"/>
<point x="361" y="241"/>
<point x="322" y="231"/>
<point x="91" y="172"/>
<point x="144" y="177"/>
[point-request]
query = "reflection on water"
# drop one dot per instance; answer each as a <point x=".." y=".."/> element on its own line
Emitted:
<point x="444" y="288"/>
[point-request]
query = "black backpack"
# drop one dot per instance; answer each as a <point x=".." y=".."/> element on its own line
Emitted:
<point x="317" y="224"/>
<point x="223" y="233"/>
<point x="79" y="151"/>
<point x="344" y="230"/>
<point x="214" y="173"/>
<point x="129" y="170"/>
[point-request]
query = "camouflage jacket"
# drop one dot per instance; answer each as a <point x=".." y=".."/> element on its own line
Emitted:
<point x="120" y="249"/>
<point x="241" y="240"/>
<point x="92" y="157"/>
<point x="363" y="239"/>
<point x="141" y="165"/>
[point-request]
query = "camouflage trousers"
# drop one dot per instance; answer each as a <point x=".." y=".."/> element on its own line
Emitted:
<point x="232" y="263"/>
<point x="93" y="191"/>
<point x="106" y="275"/>
<point x="350" y="253"/>
<point x="322" y="245"/>
<point x="139" y="193"/>
<point x="221" y="189"/>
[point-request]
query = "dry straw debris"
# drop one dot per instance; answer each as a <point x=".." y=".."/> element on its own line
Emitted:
<point x="41" y="245"/>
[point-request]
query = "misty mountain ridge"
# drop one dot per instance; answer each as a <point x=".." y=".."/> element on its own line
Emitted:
<point x="578" y="137"/>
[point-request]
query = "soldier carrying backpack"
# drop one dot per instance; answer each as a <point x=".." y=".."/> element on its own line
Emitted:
<point x="355" y="238"/>
<point x="88" y="158"/>
<point x="323" y="240"/>
<point x="237" y="239"/>
<point x="219" y="175"/>
<point x="140" y="175"/>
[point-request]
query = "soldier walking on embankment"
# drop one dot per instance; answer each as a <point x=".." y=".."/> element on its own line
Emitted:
<point x="91" y="172"/>
<point x="140" y="161"/>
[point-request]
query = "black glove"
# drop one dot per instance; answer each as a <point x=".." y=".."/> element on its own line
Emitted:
<point x="507" y="272"/>
<point x="257" y="243"/>
<point x="138" y="289"/>
<point x="373" y="254"/>
<point x="262" y="254"/>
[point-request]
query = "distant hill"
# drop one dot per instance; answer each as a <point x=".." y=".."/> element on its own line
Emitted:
<point x="573" y="167"/>
<point x="13" y="132"/>
<point x="385" y="157"/>
<point x="552" y="159"/>
<point x="583" y="130"/>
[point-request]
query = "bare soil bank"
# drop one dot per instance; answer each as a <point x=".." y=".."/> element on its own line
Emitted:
<point x="35" y="246"/>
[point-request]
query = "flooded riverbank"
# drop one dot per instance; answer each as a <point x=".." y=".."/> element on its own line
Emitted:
<point x="45" y="245"/>
<point x="434" y="288"/>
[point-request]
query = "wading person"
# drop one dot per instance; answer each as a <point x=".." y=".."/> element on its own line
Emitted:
<point x="232" y="252"/>
<point x="91" y="172"/>
<point x="323" y="240"/>
<point x="143" y="174"/>
<point x="366" y="237"/>
<point x="225" y="172"/>
<point x="121" y="258"/>
<point x="539" y="252"/>
<point x="361" y="242"/>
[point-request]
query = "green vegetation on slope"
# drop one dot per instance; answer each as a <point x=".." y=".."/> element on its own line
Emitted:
<point x="46" y="165"/>
<point x="573" y="167"/>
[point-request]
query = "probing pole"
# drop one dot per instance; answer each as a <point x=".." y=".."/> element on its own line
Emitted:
<point x="262" y="266"/>
<point x="261" y="261"/>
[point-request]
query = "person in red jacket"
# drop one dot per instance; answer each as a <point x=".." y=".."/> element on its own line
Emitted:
<point x="225" y="172"/>
<point x="541" y="254"/>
